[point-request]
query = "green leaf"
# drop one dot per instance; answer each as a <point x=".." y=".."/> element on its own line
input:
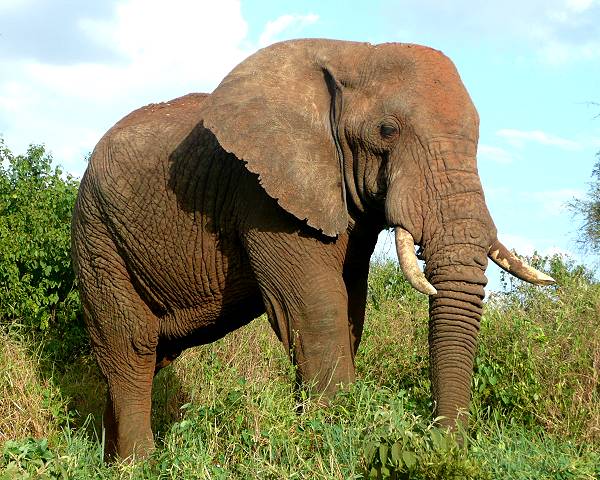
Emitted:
<point x="396" y="453"/>
<point x="383" y="452"/>
<point x="438" y="439"/>
<point x="370" y="451"/>
<point x="410" y="459"/>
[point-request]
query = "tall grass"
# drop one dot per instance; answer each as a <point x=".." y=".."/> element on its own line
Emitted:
<point x="228" y="410"/>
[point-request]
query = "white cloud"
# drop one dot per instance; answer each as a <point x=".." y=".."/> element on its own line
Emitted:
<point x="519" y="137"/>
<point x="385" y="249"/>
<point x="179" y="39"/>
<point x="15" y="97"/>
<point x="557" y="31"/>
<point x="527" y="247"/>
<point x="579" y="5"/>
<point x="557" y="53"/>
<point x="494" y="154"/>
<point x="569" y="32"/>
<point x="274" y="28"/>
<point x="165" y="50"/>
<point x="522" y="245"/>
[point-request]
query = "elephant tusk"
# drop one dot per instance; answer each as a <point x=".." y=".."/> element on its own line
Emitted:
<point x="509" y="262"/>
<point x="405" y="248"/>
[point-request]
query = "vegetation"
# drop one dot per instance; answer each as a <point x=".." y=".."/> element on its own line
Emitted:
<point x="228" y="410"/>
<point x="37" y="290"/>
<point x="588" y="209"/>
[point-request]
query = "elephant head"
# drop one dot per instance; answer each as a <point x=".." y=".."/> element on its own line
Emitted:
<point x="338" y="131"/>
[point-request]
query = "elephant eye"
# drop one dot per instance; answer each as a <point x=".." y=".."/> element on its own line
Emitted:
<point x="388" y="130"/>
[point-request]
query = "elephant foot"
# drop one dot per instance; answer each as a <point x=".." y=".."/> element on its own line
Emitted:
<point x="127" y="433"/>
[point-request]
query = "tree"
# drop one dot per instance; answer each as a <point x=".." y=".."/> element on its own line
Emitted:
<point x="589" y="209"/>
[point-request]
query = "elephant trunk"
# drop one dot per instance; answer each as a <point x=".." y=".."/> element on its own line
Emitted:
<point x="454" y="317"/>
<point x="456" y="259"/>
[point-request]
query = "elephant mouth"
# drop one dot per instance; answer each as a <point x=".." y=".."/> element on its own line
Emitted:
<point x="497" y="252"/>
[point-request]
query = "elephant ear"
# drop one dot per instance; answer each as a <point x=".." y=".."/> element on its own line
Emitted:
<point x="278" y="112"/>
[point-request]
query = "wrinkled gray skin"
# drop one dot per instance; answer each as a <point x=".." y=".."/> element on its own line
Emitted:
<point x="197" y="215"/>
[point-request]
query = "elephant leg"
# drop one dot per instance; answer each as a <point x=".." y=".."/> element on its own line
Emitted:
<point x="124" y="334"/>
<point x="127" y="413"/>
<point x="356" y="274"/>
<point x="307" y="303"/>
<point x="356" y="287"/>
<point x="121" y="425"/>
<point x="315" y="333"/>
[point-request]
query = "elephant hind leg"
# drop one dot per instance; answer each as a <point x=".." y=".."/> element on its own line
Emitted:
<point x="126" y="422"/>
<point x="126" y="428"/>
<point x="124" y="334"/>
<point x="129" y="370"/>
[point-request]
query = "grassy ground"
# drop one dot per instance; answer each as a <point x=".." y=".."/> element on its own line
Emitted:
<point x="227" y="410"/>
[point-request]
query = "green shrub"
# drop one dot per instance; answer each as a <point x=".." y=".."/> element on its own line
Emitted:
<point x="386" y="282"/>
<point x="394" y="350"/>
<point x="37" y="286"/>
<point x="28" y="455"/>
<point x="228" y="409"/>
<point x="537" y="363"/>
<point x="401" y="445"/>
<point x="513" y="452"/>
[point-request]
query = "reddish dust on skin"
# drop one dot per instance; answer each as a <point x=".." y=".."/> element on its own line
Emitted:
<point x="452" y="113"/>
<point x="435" y="78"/>
<point x="156" y="111"/>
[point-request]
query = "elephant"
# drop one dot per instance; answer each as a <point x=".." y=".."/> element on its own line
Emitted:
<point x="197" y="215"/>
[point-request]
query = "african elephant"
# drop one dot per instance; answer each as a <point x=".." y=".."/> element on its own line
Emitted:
<point x="197" y="215"/>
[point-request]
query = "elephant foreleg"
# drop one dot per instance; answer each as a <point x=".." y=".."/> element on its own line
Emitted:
<point x="315" y="333"/>
<point x="307" y="303"/>
<point x="356" y="274"/>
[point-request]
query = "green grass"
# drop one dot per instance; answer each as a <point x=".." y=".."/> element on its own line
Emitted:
<point x="228" y="410"/>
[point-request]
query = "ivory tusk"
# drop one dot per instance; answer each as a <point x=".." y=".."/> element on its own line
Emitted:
<point x="509" y="262"/>
<point x="405" y="248"/>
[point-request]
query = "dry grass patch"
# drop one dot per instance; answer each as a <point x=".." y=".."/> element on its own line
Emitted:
<point x="30" y="405"/>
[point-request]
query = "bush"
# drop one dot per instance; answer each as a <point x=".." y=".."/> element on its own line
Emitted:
<point x="37" y="285"/>
<point x="539" y="350"/>
<point x="401" y="445"/>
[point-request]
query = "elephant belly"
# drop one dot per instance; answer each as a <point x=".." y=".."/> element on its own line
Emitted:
<point x="198" y="319"/>
<point x="199" y="294"/>
<point x="209" y="322"/>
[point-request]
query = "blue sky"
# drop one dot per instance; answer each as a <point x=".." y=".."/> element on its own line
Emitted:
<point x="69" y="70"/>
